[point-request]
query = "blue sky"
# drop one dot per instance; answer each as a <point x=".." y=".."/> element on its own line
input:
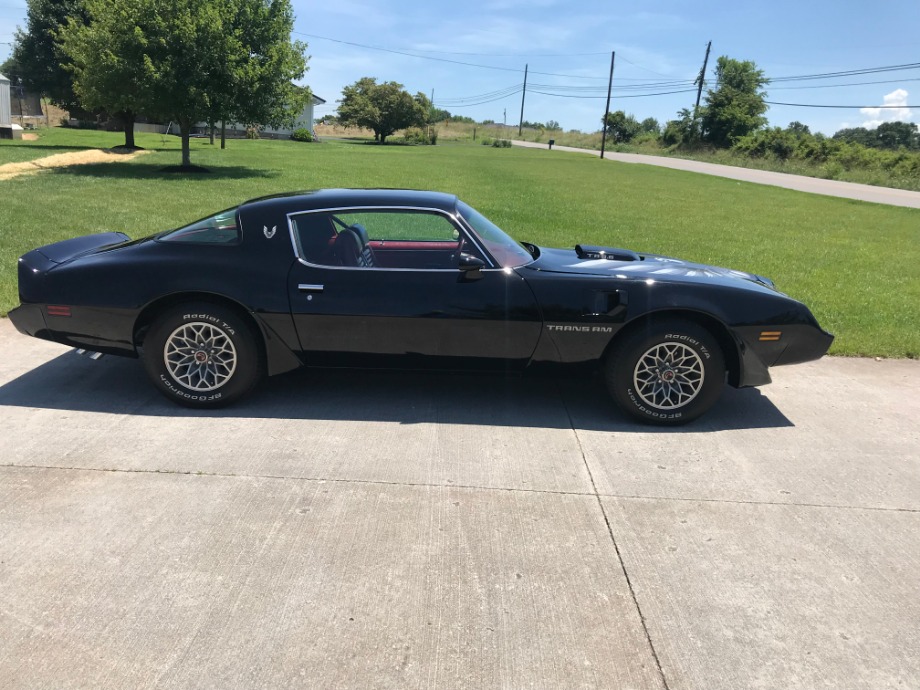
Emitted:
<point x="656" y="43"/>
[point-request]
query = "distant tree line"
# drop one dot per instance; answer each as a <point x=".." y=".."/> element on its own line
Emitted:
<point x="386" y="108"/>
<point x="733" y="119"/>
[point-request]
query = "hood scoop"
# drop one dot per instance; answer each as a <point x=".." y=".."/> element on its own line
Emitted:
<point x="585" y="251"/>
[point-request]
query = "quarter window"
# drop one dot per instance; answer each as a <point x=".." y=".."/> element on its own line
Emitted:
<point x="221" y="228"/>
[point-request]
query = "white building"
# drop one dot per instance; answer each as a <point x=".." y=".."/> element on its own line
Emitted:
<point x="6" y="118"/>
<point x="303" y="121"/>
<point x="7" y="129"/>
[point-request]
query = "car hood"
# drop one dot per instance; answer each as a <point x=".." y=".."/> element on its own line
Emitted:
<point x="624" y="264"/>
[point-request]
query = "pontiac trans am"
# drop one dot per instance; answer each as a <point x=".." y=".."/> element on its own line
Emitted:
<point x="412" y="279"/>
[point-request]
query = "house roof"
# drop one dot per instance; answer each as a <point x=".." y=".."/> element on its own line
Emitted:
<point x="317" y="100"/>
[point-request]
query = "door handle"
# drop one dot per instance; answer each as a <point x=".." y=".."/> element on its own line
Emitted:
<point x="307" y="287"/>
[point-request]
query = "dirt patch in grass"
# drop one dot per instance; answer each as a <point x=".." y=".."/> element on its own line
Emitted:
<point x="63" y="160"/>
<point x="28" y="136"/>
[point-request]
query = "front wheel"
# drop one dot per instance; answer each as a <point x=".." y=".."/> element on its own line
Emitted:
<point x="201" y="355"/>
<point x="669" y="372"/>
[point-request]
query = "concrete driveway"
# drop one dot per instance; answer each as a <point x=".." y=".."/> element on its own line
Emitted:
<point x="392" y="530"/>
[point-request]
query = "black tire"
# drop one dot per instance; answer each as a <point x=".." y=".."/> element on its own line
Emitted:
<point x="202" y="355"/>
<point x="668" y="372"/>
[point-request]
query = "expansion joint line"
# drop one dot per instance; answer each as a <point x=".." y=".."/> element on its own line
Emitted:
<point x="616" y="547"/>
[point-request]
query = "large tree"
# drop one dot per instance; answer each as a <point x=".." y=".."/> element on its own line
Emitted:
<point x="621" y="127"/>
<point x="107" y="62"/>
<point x="190" y="60"/>
<point x="895" y="135"/>
<point x="383" y="108"/>
<point x="888" y="135"/>
<point x="42" y="64"/>
<point x="735" y="107"/>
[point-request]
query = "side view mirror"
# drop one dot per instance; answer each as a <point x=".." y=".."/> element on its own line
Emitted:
<point x="471" y="266"/>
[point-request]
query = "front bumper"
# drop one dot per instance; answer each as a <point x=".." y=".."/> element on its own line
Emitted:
<point x="785" y="344"/>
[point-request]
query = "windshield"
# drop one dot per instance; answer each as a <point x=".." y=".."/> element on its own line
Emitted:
<point x="506" y="251"/>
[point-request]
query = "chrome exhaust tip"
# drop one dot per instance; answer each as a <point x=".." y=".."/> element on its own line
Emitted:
<point x="87" y="353"/>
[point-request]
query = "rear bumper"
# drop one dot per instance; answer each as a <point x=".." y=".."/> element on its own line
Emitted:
<point x="29" y="320"/>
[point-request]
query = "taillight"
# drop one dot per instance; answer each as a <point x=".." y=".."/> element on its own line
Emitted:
<point x="56" y="310"/>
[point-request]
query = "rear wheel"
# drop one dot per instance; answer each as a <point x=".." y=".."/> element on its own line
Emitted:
<point x="668" y="373"/>
<point x="202" y="355"/>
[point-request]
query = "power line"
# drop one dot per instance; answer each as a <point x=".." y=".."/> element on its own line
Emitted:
<point x="635" y="95"/>
<point x="848" y="73"/>
<point x="602" y="89"/>
<point x="836" y="86"/>
<point x="644" y="69"/>
<point x="506" y="55"/>
<point x="515" y="88"/>
<point x="490" y="100"/>
<point x="851" y="107"/>
<point x="438" y="59"/>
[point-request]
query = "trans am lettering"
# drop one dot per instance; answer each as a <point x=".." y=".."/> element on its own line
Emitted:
<point x="580" y="329"/>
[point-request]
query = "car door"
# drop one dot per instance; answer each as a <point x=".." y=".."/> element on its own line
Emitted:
<point x="406" y="298"/>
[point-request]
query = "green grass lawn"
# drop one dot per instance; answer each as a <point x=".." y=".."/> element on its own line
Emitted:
<point x="857" y="265"/>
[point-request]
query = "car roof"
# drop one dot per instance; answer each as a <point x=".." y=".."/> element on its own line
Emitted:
<point x="345" y="198"/>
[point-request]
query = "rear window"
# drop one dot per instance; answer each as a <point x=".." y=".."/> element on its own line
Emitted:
<point x="221" y="228"/>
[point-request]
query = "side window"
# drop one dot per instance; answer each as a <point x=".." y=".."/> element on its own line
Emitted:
<point x="379" y="239"/>
<point x="315" y="236"/>
<point x="402" y="226"/>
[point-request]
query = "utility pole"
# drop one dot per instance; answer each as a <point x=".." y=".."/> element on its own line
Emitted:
<point x="607" y="109"/>
<point x="523" y="95"/>
<point x="699" y="83"/>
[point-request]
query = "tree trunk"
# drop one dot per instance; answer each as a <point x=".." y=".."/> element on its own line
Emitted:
<point x="223" y="134"/>
<point x="127" y="119"/>
<point x="185" y="127"/>
<point x="211" y="129"/>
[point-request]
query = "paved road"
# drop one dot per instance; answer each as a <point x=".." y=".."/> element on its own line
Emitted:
<point x="357" y="530"/>
<point x="847" y="190"/>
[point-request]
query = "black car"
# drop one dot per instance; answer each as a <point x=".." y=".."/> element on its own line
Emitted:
<point x="406" y="278"/>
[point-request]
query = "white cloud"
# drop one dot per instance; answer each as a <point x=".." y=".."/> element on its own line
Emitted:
<point x="877" y="116"/>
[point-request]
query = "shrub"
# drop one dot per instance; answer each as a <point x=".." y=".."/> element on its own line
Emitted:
<point x="502" y="144"/>
<point x="767" y="143"/>
<point x="79" y="124"/>
<point x="421" y="137"/>
<point x="487" y="141"/>
<point x="415" y="135"/>
<point x="252" y="132"/>
<point x="302" y="134"/>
